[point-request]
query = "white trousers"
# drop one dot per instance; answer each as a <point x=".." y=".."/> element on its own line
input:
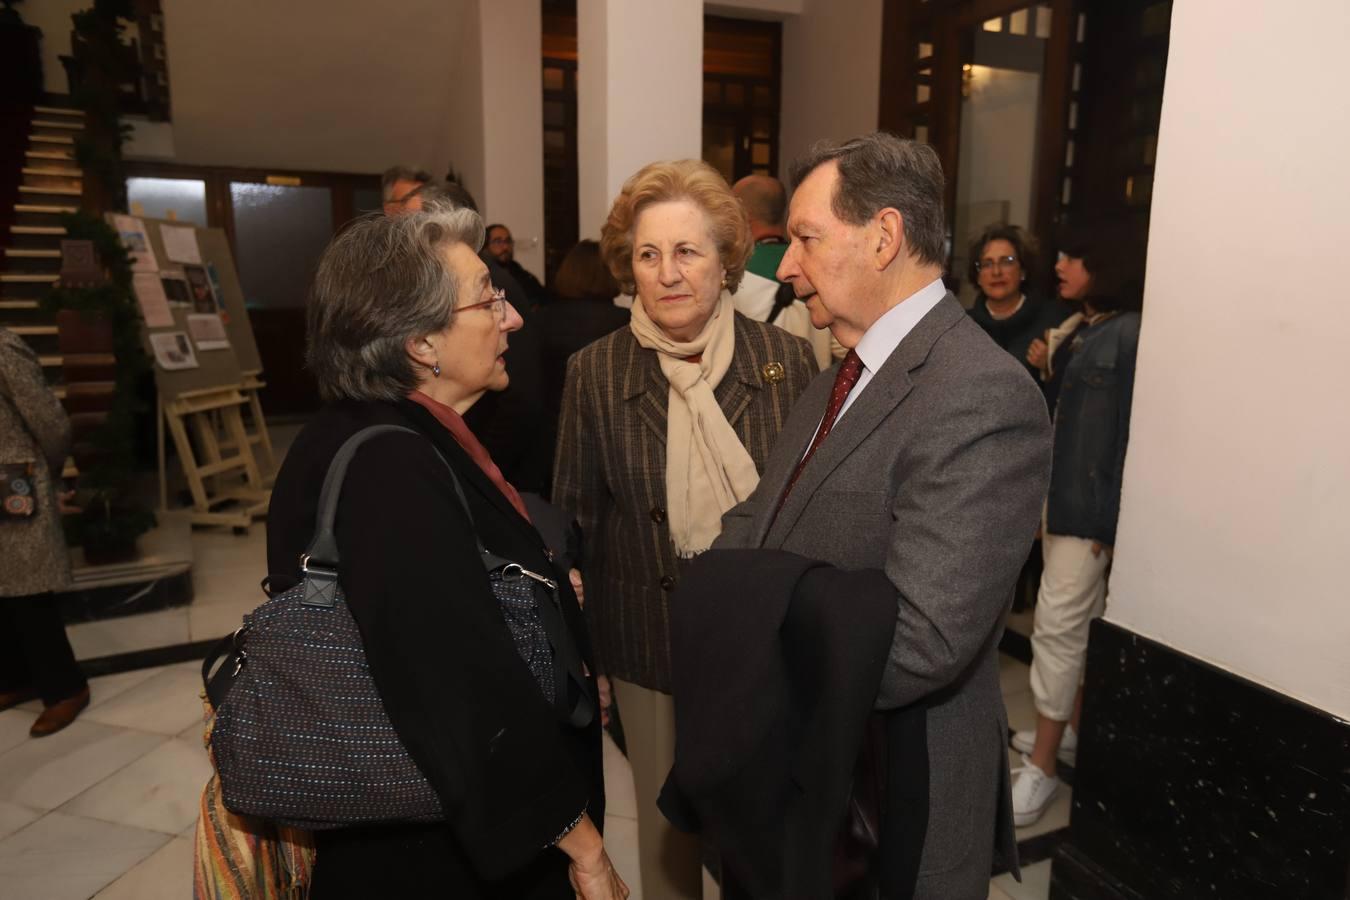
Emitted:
<point x="1072" y="594"/>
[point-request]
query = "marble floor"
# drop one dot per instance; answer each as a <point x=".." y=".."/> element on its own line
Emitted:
<point x="106" y="808"/>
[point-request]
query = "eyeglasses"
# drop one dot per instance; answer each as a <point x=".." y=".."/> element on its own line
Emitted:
<point x="498" y="304"/>
<point x="504" y="241"/>
<point x="996" y="263"/>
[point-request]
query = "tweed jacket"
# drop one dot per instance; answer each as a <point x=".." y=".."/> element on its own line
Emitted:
<point x="610" y="473"/>
<point x="33" y="428"/>
<point x="934" y="475"/>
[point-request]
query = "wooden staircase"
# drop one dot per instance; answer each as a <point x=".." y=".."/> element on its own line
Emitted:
<point x="51" y="183"/>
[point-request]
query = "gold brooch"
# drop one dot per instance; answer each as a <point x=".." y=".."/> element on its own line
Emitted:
<point x="772" y="373"/>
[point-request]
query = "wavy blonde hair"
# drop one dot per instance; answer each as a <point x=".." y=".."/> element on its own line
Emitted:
<point x="681" y="179"/>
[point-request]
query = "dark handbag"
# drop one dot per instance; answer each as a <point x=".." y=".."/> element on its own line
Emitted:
<point x="18" y="490"/>
<point x="301" y="735"/>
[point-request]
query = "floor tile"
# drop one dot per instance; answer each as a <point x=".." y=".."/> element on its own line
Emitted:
<point x="229" y="582"/>
<point x="1035" y="884"/>
<point x="166" y="703"/>
<point x="215" y="620"/>
<point x="621" y="842"/>
<point x="166" y="875"/>
<point x="13" y="817"/>
<point x="45" y="772"/>
<point x="1021" y="622"/>
<point x="14" y="725"/>
<point x="63" y="857"/>
<point x="161" y="791"/>
<point x="1013" y="676"/>
<point x="106" y="637"/>
<point x="193" y="733"/>
<point x="1021" y="709"/>
<point x="106" y="687"/>
<point x="620" y="800"/>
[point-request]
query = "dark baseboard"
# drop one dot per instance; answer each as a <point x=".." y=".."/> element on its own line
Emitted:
<point x="146" y="659"/>
<point x="1075" y="877"/>
<point x="113" y="601"/>
<point x="1194" y="782"/>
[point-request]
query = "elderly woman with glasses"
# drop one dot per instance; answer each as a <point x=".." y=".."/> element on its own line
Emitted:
<point x="1008" y="306"/>
<point x="405" y="328"/>
<point x="666" y="424"/>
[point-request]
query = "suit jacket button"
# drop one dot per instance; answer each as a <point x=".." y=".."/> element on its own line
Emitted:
<point x="667" y="583"/>
<point x="658" y="515"/>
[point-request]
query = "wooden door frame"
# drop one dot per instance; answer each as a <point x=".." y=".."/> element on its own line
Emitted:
<point x="903" y="20"/>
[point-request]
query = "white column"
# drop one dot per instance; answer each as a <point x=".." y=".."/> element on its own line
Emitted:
<point x="1232" y="540"/>
<point x="513" y="125"/>
<point x="639" y="94"/>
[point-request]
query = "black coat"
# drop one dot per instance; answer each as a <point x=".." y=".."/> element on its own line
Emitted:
<point x="776" y="661"/>
<point x="512" y="424"/>
<point x="1015" y="333"/>
<point x="564" y="328"/>
<point x="510" y="775"/>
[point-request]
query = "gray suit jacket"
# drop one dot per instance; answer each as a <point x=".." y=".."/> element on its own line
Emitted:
<point x="935" y="475"/>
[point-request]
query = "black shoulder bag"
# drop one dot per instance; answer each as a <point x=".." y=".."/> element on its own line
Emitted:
<point x="301" y="735"/>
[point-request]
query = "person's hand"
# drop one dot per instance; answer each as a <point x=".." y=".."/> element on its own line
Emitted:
<point x="591" y="873"/>
<point x="65" y="503"/>
<point x="606" y="697"/>
<point x="596" y="880"/>
<point x="1098" y="547"/>
<point x="1036" y="353"/>
<point x="578" y="587"/>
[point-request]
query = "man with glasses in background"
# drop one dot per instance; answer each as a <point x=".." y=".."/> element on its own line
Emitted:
<point x="501" y="246"/>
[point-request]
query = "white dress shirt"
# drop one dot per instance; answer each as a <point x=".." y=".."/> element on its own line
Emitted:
<point x="879" y="342"/>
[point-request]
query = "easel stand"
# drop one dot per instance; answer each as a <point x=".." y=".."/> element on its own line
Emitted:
<point x="255" y="426"/>
<point x="214" y="479"/>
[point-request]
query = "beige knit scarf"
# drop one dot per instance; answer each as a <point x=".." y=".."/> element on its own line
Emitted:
<point x="708" y="469"/>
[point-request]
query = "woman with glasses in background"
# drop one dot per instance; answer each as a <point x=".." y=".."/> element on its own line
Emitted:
<point x="1008" y="306"/>
<point x="405" y="328"/>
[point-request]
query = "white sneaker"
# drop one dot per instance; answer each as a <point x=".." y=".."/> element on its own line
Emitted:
<point x="1032" y="792"/>
<point x="1024" y="741"/>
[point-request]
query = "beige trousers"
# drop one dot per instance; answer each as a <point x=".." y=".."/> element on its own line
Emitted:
<point x="1073" y="593"/>
<point x="671" y="861"/>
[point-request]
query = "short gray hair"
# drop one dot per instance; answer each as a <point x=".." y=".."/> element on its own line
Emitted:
<point x="880" y="170"/>
<point x="400" y="173"/>
<point x="382" y="281"/>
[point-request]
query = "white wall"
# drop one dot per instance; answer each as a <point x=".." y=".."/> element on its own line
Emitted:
<point x="831" y="74"/>
<point x="53" y="17"/>
<point x="1233" y="542"/>
<point x="639" y="94"/>
<point x="331" y="85"/>
<point x="513" y="128"/>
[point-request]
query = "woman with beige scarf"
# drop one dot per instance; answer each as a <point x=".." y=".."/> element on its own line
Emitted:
<point x="666" y="425"/>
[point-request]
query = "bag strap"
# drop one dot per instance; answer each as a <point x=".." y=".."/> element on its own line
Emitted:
<point x="782" y="299"/>
<point x="322" y="551"/>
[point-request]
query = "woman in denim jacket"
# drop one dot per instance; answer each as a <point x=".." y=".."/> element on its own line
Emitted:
<point x="1087" y="366"/>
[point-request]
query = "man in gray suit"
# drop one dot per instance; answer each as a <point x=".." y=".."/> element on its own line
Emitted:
<point x="925" y="453"/>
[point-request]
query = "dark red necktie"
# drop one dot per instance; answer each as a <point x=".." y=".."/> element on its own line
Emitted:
<point x="844" y="380"/>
